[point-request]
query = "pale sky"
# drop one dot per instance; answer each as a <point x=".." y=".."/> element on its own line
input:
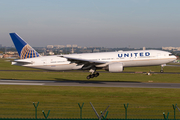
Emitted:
<point x="97" y="23"/>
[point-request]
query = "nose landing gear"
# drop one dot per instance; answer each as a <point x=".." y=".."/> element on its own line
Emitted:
<point x="162" y="66"/>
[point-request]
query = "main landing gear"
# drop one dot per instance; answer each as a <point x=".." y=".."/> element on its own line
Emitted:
<point x="93" y="74"/>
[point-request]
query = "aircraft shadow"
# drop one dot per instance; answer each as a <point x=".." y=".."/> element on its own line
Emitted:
<point x="91" y="81"/>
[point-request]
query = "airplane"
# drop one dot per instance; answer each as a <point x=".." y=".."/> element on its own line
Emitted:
<point x="110" y="61"/>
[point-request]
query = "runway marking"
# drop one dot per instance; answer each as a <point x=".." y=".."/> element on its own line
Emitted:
<point x="4" y="83"/>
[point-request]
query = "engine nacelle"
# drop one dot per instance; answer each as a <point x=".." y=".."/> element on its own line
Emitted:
<point x="115" y="67"/>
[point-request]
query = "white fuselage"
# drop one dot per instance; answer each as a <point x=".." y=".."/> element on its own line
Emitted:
<point x="127" y="58"/>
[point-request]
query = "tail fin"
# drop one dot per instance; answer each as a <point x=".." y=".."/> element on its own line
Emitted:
<point x="23" y="48"/>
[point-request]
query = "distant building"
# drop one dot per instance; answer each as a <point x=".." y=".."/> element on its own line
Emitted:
<point x="61" y="46"/>
<point x="68" y="45"/>
<point x="7" y="56"/>
<point x="57" y="46"/>
<point x="12" y="53"/>
<point x="171" y="48"/>
<point x="61" y="51"/>
<point x="50" y="46"/>
<point x="74" y="45"/>
<point x="85" y="51"/>
<point x="96" y="50"/>
<point x="144" y="48"/>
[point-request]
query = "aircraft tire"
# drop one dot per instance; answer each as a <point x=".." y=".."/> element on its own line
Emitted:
<point x="92" y="76"/>
<point x="88" y="77"/>
<point x="96" y="75"/>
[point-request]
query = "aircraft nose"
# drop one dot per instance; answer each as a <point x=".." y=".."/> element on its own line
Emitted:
<point x="174" y="57"/>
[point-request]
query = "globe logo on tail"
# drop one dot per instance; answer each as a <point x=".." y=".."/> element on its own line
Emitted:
<point x="28" y="52"/>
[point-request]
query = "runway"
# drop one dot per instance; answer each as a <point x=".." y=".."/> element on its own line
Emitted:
<point x="90" y="84"/>
<point x="98" y="71"/>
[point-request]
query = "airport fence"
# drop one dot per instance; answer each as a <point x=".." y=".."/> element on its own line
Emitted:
<point x="87" y="111"/>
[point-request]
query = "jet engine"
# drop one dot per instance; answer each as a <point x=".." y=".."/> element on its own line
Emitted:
<point x="115" y="67"/>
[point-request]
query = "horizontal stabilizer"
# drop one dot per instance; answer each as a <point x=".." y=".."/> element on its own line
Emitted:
<point x="21" y="62"/>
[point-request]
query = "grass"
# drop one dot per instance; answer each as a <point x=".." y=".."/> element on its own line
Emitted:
<point x="50" y="97"/>
<point x="92" y="94"/>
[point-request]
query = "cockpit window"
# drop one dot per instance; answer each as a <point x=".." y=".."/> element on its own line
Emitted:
<point x="170" y="54"/>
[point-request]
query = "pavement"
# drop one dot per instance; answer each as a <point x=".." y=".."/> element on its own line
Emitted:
<point x="90" y="83"/>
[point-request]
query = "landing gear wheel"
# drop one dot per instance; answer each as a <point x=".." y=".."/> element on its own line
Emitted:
<point x="96" y="75"/>
<point x="88" y="77"/>
<point x="92" y="76"/>
<point x="93" y="73"/>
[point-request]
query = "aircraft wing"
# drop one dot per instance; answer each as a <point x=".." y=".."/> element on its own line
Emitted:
<point x="87" y="64"/>
<point x="83" y="61"/>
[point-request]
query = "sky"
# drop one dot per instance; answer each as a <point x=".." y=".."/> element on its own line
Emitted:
<point x="92" y="23"/>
